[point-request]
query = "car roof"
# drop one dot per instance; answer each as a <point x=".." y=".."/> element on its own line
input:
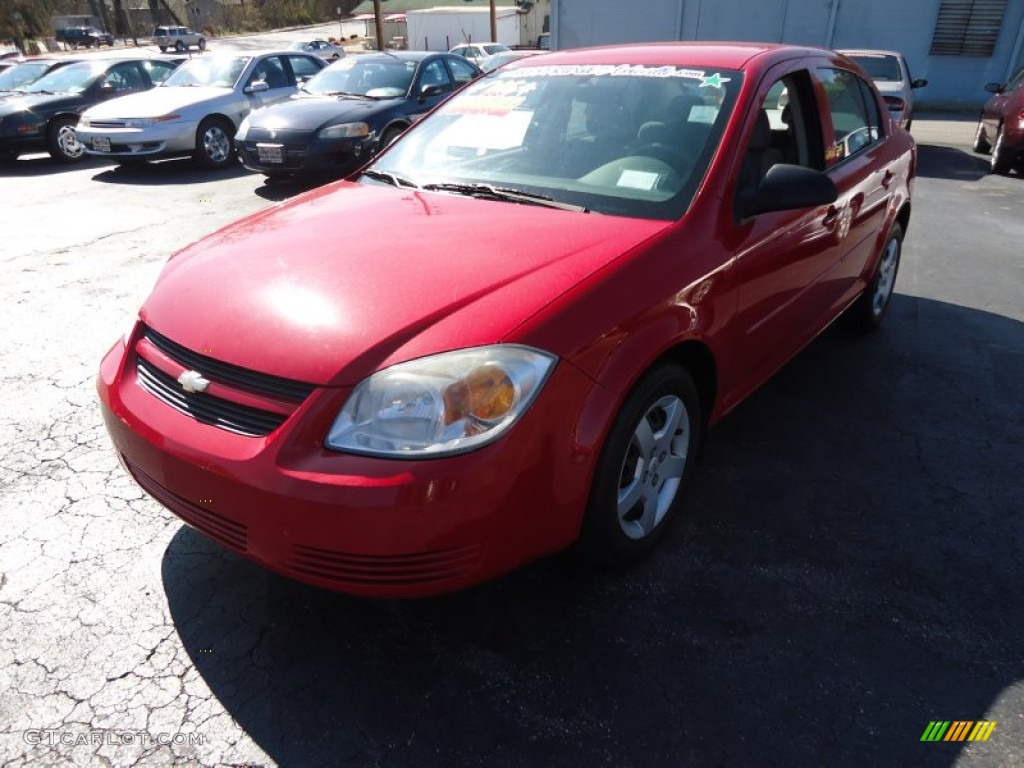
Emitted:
<point x="400" y="55"/>
<point x="867" y="52"/>
<point x="724" y="55"/>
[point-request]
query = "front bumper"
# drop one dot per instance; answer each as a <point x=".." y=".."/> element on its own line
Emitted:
<point x="152" y="141"/>
<point x="290" y="156"/>
<point x="362" y="525"/>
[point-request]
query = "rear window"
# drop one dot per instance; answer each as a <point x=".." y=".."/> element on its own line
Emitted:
<point x="884" y="68"/>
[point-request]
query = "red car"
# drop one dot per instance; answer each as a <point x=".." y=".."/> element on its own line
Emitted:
<point x="548" y="290"/>
<point x="1001" y="126"/>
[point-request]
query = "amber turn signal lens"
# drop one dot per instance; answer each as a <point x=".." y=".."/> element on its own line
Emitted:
<point x="486" y="393"/>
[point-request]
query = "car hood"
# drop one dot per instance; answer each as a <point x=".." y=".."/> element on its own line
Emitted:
<point x="38" y="101"/>
<point x="351" y="278"/>
<point x="309" y="113"/>
<point x="157" y="101"/>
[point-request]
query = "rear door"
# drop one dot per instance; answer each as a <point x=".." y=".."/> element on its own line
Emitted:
<point x="858" y="159"/>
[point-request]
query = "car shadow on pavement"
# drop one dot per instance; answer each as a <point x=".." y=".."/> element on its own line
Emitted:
<point x="841" y="576"/>
<point x="44" y="165"/>
<point x="277" y="190"/>
<point x="941" y="162"/>
<point x="174" y="171"/>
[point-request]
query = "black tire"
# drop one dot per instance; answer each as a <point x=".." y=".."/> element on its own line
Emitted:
<point x="163" y="49"/>
<point x="868" y="311"/>
<point x="202" y="44"/>
<point x="215" y="144"/>
<point x="643" y="468"/>
<point x="179" y="46"/>
<point x="1002" y="158"/>
<point x="981" y="145"/>
<point x="389" y="137"/>
<point x="61" y="141"/>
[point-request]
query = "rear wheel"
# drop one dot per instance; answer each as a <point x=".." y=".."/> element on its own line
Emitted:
<point x="1002" y="157"/>
<point x="179" y="46"/>
<point x="644" y="464"/>
<point x="214" y="145"/>
<point x="61" y="141"/>
<point x="869" y="310"/>
<point x="163" y="49"/>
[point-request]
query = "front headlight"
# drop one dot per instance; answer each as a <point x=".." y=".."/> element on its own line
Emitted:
<point x="441" y="405"/>
<point x="345" y="131"/>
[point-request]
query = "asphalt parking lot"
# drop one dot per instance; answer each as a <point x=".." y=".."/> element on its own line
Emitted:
<point x="848" y="569"/>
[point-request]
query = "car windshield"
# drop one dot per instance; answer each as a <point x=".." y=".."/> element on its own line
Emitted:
<point x="22" y="74"/>
<point x="218" y="72"/>
<point x="884" y="68"/>
<point x="74" y="78"/>
<point x="626" y="140"/>
<point x="364" y="76"/>
<point x="494" y="48"/>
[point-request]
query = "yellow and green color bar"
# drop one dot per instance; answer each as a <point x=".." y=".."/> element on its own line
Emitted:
<point x="958" y="730"/>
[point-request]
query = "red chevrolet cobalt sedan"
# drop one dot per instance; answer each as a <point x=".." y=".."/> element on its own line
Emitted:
<point x="548" y="290"/>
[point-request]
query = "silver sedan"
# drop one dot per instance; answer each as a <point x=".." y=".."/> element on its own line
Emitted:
<point x="197" y="110"/>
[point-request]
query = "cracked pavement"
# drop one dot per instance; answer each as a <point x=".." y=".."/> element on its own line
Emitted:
<point x="848" y="567"/>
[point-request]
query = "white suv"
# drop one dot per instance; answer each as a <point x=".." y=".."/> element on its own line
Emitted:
<point x="178" y="38"/>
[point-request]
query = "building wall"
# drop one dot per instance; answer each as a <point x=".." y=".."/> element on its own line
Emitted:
<point x="902" y="25"/>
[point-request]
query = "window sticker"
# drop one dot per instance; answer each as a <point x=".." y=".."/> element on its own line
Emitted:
<point x="643" y="180"/>
<point x="622" y="70"/>
<point x="486" y="131"/>
<point x="703" y="114"/>
<point x="498" y="98"/>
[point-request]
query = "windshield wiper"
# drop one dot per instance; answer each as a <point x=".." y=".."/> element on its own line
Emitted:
<point x="391" y="178"/>
<point x="491" y="192"/>
<point x="344" y="93"/>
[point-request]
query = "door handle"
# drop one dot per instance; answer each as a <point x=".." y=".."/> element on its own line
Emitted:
<point x="887" y="179"/>
<point x="831" y="216"/>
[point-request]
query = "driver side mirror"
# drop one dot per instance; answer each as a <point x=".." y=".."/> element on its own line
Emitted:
<point x="430" y="90"/>
<point x="258" y="87"/>
<point x="786" y="187"/>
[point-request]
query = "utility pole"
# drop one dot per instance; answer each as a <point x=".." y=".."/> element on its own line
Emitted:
<point x="379" y="22"/>
<point x="494" y="23"/>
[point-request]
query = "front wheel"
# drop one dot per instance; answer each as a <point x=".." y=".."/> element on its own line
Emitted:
<point x="179" y="46"/>
<point x="62" y="143"/>
<point x="214" y="145"/>
<point x="389" y="137"/>
<point x="643" y="467"/>
<point x="981" y="145"/>
<point x="1002" y="158"/>
<point x="869" y="310"/>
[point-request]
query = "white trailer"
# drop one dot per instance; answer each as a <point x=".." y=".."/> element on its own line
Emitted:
<point x="441" y="29"/>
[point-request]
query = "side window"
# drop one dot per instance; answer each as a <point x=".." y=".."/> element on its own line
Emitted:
<point x="853" y="127"/>
<point x="461" y="71"/>
<point x="123" y="78"/>
<point x="1015" y="83"/>
<point x="271" y="72"/>
<point x="303" y="67"/>
<point x="786" y="130"/>
<point x="158" y="71"/>
<point x="434" y="73"/>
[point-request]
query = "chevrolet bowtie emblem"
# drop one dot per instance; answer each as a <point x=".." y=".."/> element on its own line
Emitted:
<point x="193" y="381"/>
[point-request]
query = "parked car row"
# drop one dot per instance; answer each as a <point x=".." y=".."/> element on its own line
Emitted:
<point x="548" y="290"/>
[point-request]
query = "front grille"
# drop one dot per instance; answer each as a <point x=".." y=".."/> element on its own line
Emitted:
<point x="230" y="533"/>
<point x="233" y="417"/>
<point x="415" y="568"/>
<point x="243" y="378"/>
